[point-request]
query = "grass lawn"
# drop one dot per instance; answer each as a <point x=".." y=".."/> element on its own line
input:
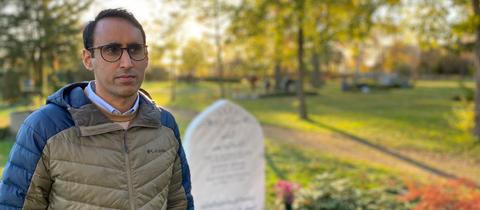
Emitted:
<point x="5" y="146"/>
<point x="422" y="118"/>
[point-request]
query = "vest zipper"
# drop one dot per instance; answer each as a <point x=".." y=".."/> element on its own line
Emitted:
<point x="131" y="199"/>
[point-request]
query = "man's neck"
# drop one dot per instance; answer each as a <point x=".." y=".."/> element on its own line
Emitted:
<point x="122" y="104"/>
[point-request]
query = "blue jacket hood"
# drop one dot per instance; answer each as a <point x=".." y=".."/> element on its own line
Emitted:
<point x="71" y="95"/>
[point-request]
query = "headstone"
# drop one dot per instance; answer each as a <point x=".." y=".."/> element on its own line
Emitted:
<point x="225" y="149"/>
<point x="16" y="120"/>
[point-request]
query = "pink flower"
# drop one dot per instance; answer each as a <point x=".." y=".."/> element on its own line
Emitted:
<point x="285" y="190"/>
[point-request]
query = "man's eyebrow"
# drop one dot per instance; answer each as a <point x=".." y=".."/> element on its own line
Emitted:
<point x="134" y="43"/>
<point x="121" y="45"/>
<point x="111" y="43"/>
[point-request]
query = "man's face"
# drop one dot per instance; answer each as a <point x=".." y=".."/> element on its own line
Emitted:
<point x="120" y="79"/>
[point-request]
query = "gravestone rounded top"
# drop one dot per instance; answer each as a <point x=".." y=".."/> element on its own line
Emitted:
<point x="225" y="149"/>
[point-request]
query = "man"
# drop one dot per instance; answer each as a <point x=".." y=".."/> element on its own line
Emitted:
<point x="102" y="144"/>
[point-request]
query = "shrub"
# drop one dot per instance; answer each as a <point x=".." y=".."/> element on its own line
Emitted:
<point x="457" y="194"/>
<point x="331" y="193"/>
<point x="462" y="116"/>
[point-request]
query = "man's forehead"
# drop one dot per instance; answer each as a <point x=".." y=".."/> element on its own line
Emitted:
<point x="113" y="28"/>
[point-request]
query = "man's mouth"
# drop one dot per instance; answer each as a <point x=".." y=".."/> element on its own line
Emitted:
<point x="126" y="76"/>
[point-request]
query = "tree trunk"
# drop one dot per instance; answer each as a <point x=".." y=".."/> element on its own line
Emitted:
<point x="37" y="63"/>
<point x="45" y="73"/>
<point x="302" y="109"/>
<point x="476" y="9"/>
<point x="278" y="76"/>
<point x="173" y="92"/>
<point x="220" y="67"/>
<point x="218" y="43"/>
<point x="316" y="75"/>
<point x="358" y="58"/>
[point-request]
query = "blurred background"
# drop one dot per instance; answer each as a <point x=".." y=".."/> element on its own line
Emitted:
<point x="365" y="104"/>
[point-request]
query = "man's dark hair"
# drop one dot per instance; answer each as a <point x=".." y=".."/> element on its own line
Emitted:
<point x="118" y="13"/>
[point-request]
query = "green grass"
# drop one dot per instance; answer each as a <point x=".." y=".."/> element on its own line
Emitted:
<point x="408" y="118"/>
<point x="414" y="119"/>
<point x="5" y="147"/>
<point x="418" y="119"/>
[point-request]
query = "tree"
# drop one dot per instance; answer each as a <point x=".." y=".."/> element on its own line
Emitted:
<point x="166" y="26"/>
<point x="258" y="29"/>
<point x="285" y="32"/>
<point x="469" y="25"/>
<point x="193" y="57"/>
<point x="39" y="37"/>
<point x="476" y="61"/>
<point x="214" y="13"/>
<point x="302" y="109"/>
<point x="469" y="12"/>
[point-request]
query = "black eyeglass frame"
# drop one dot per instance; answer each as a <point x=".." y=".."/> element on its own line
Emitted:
<point x="145" y="52"/>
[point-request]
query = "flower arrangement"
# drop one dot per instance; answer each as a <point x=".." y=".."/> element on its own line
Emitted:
<point x="286" y="192"/>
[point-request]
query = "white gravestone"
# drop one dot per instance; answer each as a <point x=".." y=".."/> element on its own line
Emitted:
<point x="225" y="150"/>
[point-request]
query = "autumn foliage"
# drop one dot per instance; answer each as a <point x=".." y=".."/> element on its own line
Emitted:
<point x="456" y="194"/>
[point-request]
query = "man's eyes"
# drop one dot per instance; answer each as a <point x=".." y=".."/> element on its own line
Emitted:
<point x="112" y="49"/>
<point x="115" y="49"/>
<point x="135" y="48"/>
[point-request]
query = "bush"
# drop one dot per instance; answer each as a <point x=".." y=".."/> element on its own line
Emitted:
<point x="331" y="193"/>
<point x="404" y="70"/>
<point x="462" y="116"/>
<point x="4" y="133"/>
<point x="456" y="194"/>
<point x="157" y="74"/>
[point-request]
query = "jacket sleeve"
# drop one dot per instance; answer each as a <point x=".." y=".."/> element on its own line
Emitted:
<point x="39" y="190"/>
<point x="24" y="179"/>
<point x="176" y="193"/>
<point x="17" y="175"/>
<point x="179" y="195"/>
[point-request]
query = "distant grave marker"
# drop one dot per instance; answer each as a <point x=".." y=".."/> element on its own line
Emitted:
<point x="16" y="120"/>
<point x="225" y="149"/>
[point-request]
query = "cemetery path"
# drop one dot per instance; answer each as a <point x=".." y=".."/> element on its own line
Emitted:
<point x="420" y="164"/>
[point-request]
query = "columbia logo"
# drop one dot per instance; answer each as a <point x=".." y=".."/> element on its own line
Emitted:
<point x="155" y="151"/>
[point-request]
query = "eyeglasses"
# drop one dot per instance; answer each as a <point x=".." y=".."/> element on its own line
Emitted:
<point x="113" y="52"/>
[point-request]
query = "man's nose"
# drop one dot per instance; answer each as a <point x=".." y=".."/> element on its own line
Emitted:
<point x="125" y="61"/>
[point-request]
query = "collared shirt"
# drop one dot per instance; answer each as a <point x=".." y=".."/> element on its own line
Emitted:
<point x="90" y="90"/>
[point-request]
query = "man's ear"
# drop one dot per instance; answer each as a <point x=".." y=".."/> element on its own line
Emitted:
<point x="87" y="59"/>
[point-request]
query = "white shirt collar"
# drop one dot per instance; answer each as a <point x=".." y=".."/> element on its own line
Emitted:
<point x="90" y="90"/>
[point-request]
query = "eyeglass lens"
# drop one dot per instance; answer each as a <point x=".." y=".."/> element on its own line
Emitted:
<point x="113" y="52"/>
